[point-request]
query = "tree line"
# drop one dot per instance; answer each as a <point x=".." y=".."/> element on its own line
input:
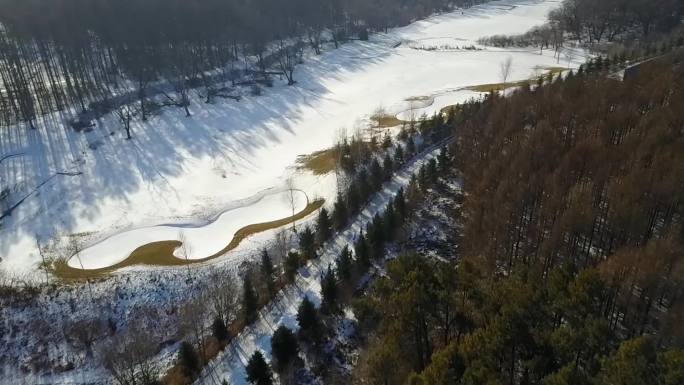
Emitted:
<point x="224" y="306"/>
<point x="571" y="268"/>
<point x="635" y="24"/>
<point x="102" y="55"/>
<point x="339" y="287"/>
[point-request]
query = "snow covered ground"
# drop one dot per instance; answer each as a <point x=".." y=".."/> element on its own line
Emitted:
<point x="282" y="310"/>
<point x="189" y="170"/>
<point x="201" y="241"/>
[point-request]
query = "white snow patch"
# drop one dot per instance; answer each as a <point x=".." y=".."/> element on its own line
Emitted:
<point x="200" y="241"/>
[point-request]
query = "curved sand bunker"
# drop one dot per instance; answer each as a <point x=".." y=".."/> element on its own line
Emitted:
<point x="160" y="245"/>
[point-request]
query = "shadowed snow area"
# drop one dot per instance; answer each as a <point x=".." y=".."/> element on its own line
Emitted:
<point x="188" y="170"/>
<point x="200" y="241"/>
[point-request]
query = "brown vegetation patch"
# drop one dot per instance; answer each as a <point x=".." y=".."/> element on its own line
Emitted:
<point x="386" y="121"/>
<point x="320" y="162"/>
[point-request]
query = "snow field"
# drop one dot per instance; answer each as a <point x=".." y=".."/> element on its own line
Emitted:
<point x="188" y="170"/>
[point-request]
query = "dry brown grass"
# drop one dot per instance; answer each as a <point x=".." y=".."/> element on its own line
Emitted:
<point x="386" y="121"/>
<point x="320" y="162"/>
<point x="497" y="87"/>
<point x="161" y="253"/>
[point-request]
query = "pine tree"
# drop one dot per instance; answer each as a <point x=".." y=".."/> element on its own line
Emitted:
<point x="307" y="317"/>
<point x="377" y="174"/>
<point x="188" y="359"/>
<point x="340" y="217"/>
<point x="291" y="266"/>
<point x="443" y="160"/>
<point x="219" y="330"/>
<point x="258" y="371"/>
<point x="362" y="252"/>
<point x="400" y="204"/>
<point x="307" y="243"/>
<point x="353" y="199"/>
<point x="249" y="300"/>
<point x="365" y="185"/>
<point x="284" y="347"/>
<point x="389" y="221"/>
<point x="267" y="273"/>
<point x="410" y="147"/>
<point x="323" y="228"/>
<point x="432" y="173"/>
<point x="329" y="290"/>
<point x="344" y="264"/>
<point x="399" y="156"/>
<point x="386" y="142"/>
<point x="388" y="167"/>
<point x="376" y="237"/>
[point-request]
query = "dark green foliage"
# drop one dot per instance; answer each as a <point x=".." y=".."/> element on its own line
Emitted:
<point x="323" y="226"/>
<point x="390" y="222"/>
<point x="284" y="347"/>
<point x="250" y="301"/>
<point x="388" y="167"/>
<point x="410" y="146"/>
<point x="258" y="371"/>
<point x="376" y="174"/>
<point x="399" y="156"/>
<point x="291" y="265"/>
<point x="340" y="214"/>
<point x="376" y="237"/>
<point x="267" y="272"/>
<point x="188" y="359"/>
<point x="443" y="160"/>
<point x="329" y="291"/>
<point x="432" y="172"/>
<point x="362" y="251"/>
<point x="344" y="264"/>
<point x="307" y="317"/>
<point x="400" y="204"/>
<point x="353" y="199"/>
<point x="365" y="184"/>
<point x="219" y="330"/>
<point x="307" y="243"/>
<point x="386" y="142"/>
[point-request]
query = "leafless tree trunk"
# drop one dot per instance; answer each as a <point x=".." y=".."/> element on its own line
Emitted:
<point x="222" y="295"/>
<point x="505" y="71"/>
<point x="292" y="200"/>
<point x="184" y="251"/>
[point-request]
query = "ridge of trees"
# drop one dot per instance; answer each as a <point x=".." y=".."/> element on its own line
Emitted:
<point x="571" y="268"/>
<point x="101" y="56"/>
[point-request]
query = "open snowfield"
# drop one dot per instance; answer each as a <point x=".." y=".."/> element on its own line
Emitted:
<point x="179" y="171"/>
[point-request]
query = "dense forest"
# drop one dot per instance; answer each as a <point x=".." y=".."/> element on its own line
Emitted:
<point x="60" y="54"/>
<point x="571" y="269"/>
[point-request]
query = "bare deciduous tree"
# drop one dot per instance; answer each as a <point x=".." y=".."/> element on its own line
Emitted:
<point x="505" y="71"/>
<point x="129" y="358"/>
<point x="222" y="295"/>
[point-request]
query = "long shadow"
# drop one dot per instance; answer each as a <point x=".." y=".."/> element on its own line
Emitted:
<point x="113" y="169"/>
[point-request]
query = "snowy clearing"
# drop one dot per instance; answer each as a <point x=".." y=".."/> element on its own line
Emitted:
<point x="188" y="170"/>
